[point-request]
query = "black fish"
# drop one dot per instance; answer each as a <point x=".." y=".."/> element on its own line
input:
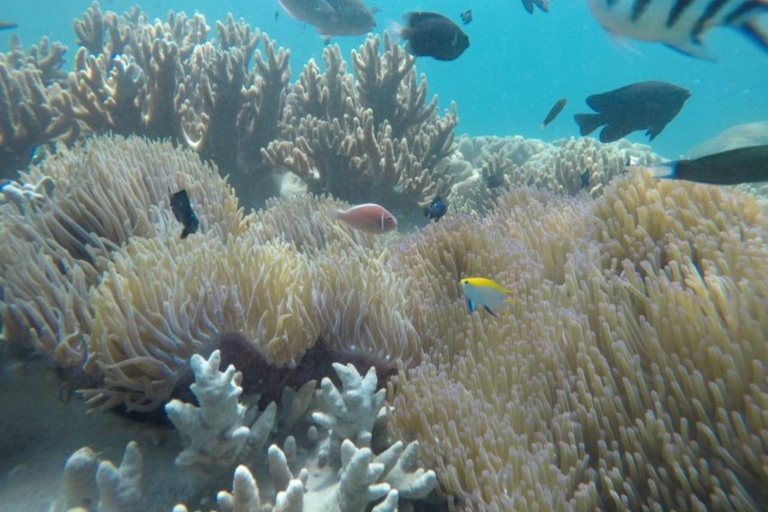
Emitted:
<point x="466" y="16"/>
<point x="641" y="106"/>
<point x="584" y="179"/>
<point x="742" y="165"/>
<point x="554" y="111"/>
<point x="6" y="25"/>
<point x="182" y="210"/>
<point x="436" y="208"/>
<point x="432" y="35"/>
<point x="541" y="4"/>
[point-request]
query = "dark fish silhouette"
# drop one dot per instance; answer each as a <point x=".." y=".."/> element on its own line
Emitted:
<point x="742" y="165"/>
<point x="682" y="24"/>
<point x="466" y="16"/>
<point x="182" y="210"/>
<point x="332" y="17"/>
<point x="541" y="4"/>
<point x="432" y="35"/>
<point x="584" y="179"/>
<point x="6" y="25"/>
<point x="642" y="106"/>
<point x="277" y="15"/>
<point x="554" y="111"/>
<point x="436" y="209"/>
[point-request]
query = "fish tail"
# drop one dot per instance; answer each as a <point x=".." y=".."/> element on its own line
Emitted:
<point x="528" y="4"/>
<point x="396" y="31"/>
<point x="588" y="122"/>
<point x="333" y="213"/>
<point x="665" y="170"/>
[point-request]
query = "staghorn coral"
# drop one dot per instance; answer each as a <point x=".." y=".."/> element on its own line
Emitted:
<point x="216" y="431"/>
<point x="31" y="114"/>
<point x="94" y="485"/>
<point x="51" y="254"/>
<point x="629" y="376"/>
<point x="356" y="479"/>
<point x="375" y="139"/>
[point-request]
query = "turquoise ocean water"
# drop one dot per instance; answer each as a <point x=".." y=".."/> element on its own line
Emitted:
<point x="517" y="66"/>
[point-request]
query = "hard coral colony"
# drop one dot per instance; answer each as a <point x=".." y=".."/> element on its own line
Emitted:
<point x="291" y="359"/>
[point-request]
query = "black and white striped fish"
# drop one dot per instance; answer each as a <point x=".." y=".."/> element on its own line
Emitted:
<point x="681" y="24"/>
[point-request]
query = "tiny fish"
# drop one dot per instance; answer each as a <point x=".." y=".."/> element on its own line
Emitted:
<point x="182" y="210"/>
<point x="681" y="24"/>
<point x="277" y="15"/>
<point x="554" y="111"/>
<point x="431" y="35"/>
<point x="742" y="165"/>
<point x="466" y="16"/>
<point x="6" y="25"/>
<point x="584" y="179"/>
<point x="484" y="292"/>
<point x="541" y="4"/>
<point x="640" y="106"/>
<point x="332" y="17"/>
<point x="368" y="218"/>
<point x="436" y="209"/>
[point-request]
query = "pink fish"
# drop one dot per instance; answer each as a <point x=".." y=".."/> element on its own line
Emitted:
<point x="369" y="218"/>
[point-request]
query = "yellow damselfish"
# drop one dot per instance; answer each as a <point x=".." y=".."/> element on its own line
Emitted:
<point x="481" y="291"/>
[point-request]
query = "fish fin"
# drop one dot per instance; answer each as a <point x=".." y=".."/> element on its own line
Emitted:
<point x="489" y="310"/>
<point x="287" y="10"/>
<point x="542" y="126"/>
<point x="528" y="4"/>
<point x="470" y="305"/>
<point x="588" y="122"/>
<point x="333" y="213"/>
<point x="543" y="5"/>
<point x="756" y="33"/>
<point x="395" y="30"/>
<point x="666" y="170"/>
<point x="692" y="49"/>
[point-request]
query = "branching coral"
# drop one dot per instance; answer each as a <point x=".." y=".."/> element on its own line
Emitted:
<point x="166" y="80"/>
<point x="355" y="480"/>
<point x="567" y="166"/>
<point x="31" y="114"/>
<point x="631" y="377"/>
<point x="216" y="430"/>
<point x="376" y="140"/>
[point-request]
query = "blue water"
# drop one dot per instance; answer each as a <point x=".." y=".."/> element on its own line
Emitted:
<point x="517" y="66"/>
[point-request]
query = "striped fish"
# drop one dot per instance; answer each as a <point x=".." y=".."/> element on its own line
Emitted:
<point x="681" y="24"/>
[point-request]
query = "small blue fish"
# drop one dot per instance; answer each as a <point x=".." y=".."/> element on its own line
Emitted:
<point x="585" y="179"/>
<point x="436" y="209"/>
<point x="183" y="212"/>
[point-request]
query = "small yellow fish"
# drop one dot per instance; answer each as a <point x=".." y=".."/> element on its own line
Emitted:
<point x="484" y="292"/>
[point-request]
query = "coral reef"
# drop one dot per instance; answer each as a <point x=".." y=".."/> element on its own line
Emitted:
<point x="93" y="484"/>
<point x="630" y="370"/>
<point x="567" y="166"/>
<point x="368" y="137"/>
<point x="215" y="429"/>
<point x="351" y="479"/>
<point x="374" y="138"/>
<point x="34" y="108"/>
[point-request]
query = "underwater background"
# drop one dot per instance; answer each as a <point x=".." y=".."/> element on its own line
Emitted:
<point x="517" y="66"/>
<point x="196" y="317"/>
